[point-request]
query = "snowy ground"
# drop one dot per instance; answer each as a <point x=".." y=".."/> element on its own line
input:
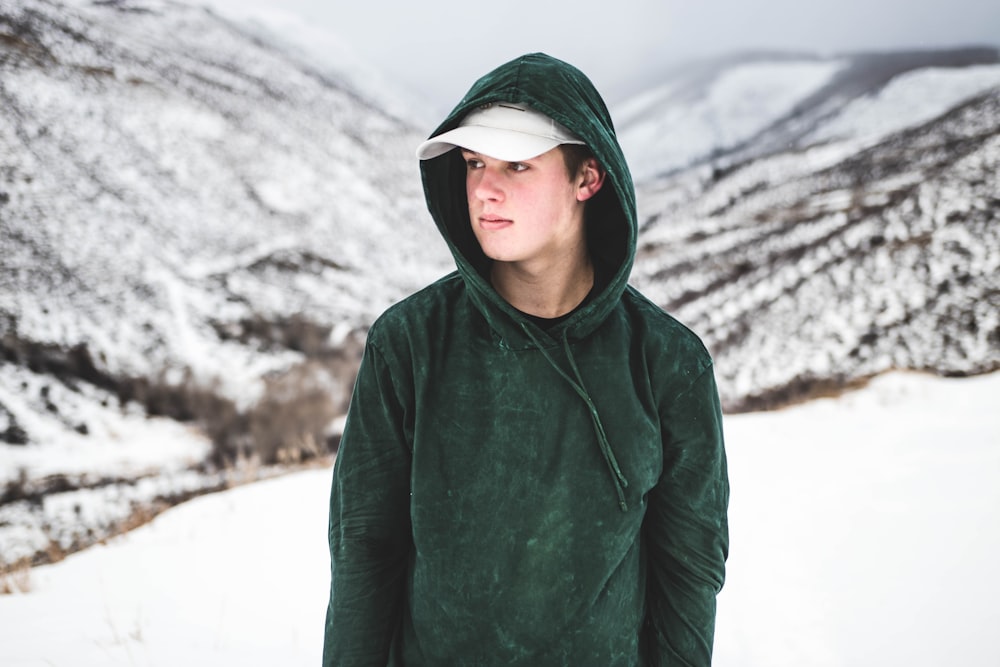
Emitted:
<point x="865" y="530"/>
<point x="864" y="533"/>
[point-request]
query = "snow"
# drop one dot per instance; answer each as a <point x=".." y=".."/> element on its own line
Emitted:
<point x="863" y="534"/>
<point x="909" y="100"/>
<point x="118" y="442"/>
<point x="234" y="578"/>
<point x="671" y="127"/>
<point x="324" y="49"/>
<point x="863" y="529"/>
<point x="682" y="122"/>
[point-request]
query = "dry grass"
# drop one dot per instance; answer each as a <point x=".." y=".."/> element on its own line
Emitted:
<point x="796" y="392"/>
<point x="16" y="579"/>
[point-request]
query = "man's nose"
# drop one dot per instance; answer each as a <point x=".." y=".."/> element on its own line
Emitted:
<point x="488" y="188"/>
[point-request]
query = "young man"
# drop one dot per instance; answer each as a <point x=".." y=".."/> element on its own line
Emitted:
<point x="532" y="470"/>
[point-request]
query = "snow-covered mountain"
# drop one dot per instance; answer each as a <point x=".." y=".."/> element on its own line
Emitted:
<point x="197" y="223"/>
<point x="174" y="189"/>
<point x="740" y="107"/>
<point x="820" y="221"/>
<point x="193" y="221"/>
<point x="168" y="174"/>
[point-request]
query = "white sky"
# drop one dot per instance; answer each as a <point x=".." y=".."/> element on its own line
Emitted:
<point x="437" y="48"/>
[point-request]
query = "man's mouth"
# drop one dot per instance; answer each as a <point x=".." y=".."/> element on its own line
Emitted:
<point x="493" y="221"/>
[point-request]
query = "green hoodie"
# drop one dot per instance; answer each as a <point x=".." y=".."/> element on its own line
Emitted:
<point x="508" y="495"/>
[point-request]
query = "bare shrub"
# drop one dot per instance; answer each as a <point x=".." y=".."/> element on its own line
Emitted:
<point x="189" y="400"/>
<point x="295" y="332"/>
<point x="801" y="389"/>
<point x="16" y="579"/>
<point x="11" y="431"/>
<point x="289" y="423"/>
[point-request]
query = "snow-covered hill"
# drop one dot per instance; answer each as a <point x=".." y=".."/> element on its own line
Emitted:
<point x="193" y="222"/>
<point x="168" y="174"/>
<point x="169" y="181"/>
<point x="845" y="224"/>
<point x="741" y="107"/>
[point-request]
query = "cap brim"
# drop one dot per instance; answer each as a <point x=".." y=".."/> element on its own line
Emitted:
<point x="508" y="145"/>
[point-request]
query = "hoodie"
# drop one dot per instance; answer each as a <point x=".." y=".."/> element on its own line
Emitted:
<point x="508" y="494"/>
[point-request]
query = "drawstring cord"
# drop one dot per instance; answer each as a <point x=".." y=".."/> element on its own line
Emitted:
<point x="609" y="456"/>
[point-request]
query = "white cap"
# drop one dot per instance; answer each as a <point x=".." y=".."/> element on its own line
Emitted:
<point x="503" y="131"/>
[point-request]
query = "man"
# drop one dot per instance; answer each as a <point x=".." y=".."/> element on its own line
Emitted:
<point x="532" y="470"/>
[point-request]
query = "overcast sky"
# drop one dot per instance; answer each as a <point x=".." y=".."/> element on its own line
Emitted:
<point x="437" y="48"/>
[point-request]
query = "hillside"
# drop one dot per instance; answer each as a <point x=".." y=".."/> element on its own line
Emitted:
<point x="196" y="226"/>
<point x="744" y="106"/>
<point x="855" y="235"/>
<point x="180" y="197"/>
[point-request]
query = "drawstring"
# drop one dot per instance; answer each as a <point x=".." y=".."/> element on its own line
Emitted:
<point x="609" y="456"/>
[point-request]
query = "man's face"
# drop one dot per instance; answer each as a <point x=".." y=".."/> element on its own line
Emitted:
<point x="528" y="212"/>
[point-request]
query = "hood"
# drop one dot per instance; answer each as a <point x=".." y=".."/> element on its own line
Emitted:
<point x="566" y="95"/>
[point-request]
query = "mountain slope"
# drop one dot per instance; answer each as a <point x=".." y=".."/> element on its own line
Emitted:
<point x="743" y="107"/>
<point x="194" y="224"/>
<point x="816" y="267"/>
<point x="167" y="179"/>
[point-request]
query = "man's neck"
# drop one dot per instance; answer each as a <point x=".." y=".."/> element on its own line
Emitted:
<point x="546" y="292"/>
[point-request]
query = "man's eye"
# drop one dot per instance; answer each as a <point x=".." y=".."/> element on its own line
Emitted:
<point x="518" y="166"/>
<point x="473" y="163"/>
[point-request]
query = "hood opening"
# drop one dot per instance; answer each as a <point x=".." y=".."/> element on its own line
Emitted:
<point x="607" y="230"/>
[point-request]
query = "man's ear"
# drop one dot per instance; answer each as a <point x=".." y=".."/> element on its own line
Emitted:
<point x="590" y="180"/>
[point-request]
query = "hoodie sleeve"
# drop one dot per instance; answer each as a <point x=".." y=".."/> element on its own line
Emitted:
<point x="686" y="529"/>
<point x="369" y="528"/>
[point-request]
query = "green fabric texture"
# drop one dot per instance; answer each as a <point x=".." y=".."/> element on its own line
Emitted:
<point x="508" y="495"/>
